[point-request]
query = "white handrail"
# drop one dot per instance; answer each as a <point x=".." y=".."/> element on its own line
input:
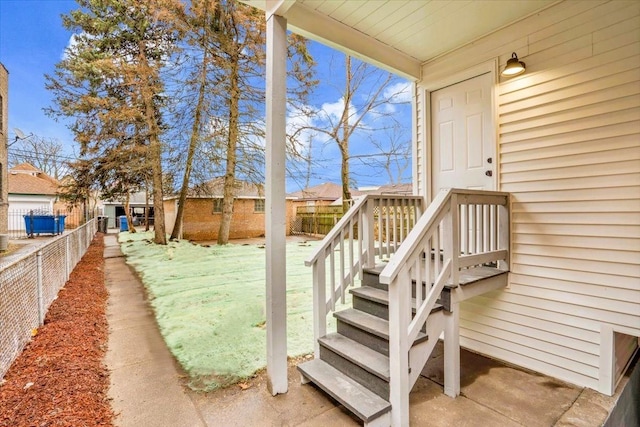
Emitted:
<point x="357" y="240"/>
<point x="335" y="231"/>
<point x="460" y="229"/>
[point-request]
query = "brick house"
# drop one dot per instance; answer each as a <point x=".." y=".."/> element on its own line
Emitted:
<point x="203" y="211"/>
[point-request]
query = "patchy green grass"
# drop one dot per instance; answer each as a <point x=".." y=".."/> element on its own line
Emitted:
<point x="210" y="304"/>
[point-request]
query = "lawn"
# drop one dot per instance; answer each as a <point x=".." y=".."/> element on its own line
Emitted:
<point x="210" y="304"/>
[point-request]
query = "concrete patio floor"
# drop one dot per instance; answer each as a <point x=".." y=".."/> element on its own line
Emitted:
<point x="147" y="386"/>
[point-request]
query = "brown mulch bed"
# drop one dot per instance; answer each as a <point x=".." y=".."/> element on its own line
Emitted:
<point x="60" y="379"/>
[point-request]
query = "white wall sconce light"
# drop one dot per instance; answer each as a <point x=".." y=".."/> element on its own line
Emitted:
<point x="514" y="66"/>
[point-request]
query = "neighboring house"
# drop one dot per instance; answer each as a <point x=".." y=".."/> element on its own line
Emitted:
<point x="203" y="211"/>
<point x="30" y="189"/>
<point x="318" y="208"/>
<point x="320" y="195"/>
<point x="557" y="148"/>
<point x="4" y="144"/>
<point x="405" y="189"/>
<point x="138" y="204"/>
<point x="77" y="214"/>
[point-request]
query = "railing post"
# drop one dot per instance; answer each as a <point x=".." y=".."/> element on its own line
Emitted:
<point x="452" y="317"/>
<point x="319" y="302"/>
<point x="399" y="319"/>
<point x="452" y="351"/>
<point x="451" y="237"/>
<point x="39" y="287"/>
<point x="504" y="233"/>
<point x="368" y="233"/>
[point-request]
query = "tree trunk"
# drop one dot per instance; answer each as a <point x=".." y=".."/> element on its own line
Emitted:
<point x="176" y="233"/>
<point x="344" y="143"/>
<point x="232" y="143"/>
<point x="127" y="213"/>
<point x="155" y="151"/>
<point x="155" y="148"/>
<point x="146" y="206"/>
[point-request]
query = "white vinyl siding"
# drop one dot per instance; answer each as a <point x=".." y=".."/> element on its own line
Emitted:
<point x="569" y="152"/>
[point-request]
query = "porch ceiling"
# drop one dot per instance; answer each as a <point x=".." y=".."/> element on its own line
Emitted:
<point x="398" y="35"/>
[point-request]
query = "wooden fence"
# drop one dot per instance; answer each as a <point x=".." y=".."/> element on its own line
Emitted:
<point x="316" y="219"/>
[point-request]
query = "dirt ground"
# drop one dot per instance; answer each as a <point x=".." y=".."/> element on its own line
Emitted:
<point x="60" y="379"/>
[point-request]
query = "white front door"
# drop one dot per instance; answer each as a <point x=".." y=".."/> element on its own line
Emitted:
<point x="463" y="135"/>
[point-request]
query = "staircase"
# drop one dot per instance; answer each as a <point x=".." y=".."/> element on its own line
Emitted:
<point x="353" y="367"/>
<point x="405" y="305"/>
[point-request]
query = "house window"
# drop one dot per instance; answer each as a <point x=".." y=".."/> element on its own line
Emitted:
<point x="1" y="112"/>
<point x="217" y="205"/>
<point x="258" y="205"/>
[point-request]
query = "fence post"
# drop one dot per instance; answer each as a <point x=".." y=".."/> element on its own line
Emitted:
<point x="39" y="286"/>
<point x="67" y="259"/>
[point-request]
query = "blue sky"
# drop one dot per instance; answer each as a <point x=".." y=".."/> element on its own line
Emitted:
<point x="32" y="40"/>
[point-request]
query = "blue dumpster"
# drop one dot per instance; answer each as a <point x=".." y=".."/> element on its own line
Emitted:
<point x="44" y="224"/>
<point x="60" y="221"/>
<point x="124" y="226"/>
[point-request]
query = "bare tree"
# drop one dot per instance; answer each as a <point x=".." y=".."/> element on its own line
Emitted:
<point x="392" y="155"/>
<point x="367" y="91"/>
<point x="235" y="134"/>
<point x="47" y="154"/>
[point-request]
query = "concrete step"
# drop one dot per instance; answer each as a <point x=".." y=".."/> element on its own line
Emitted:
<point x="366" y="366"/>
<point x="367" y="329"/>
<point x="365" y="404"/>
<point x="376" y="301"/>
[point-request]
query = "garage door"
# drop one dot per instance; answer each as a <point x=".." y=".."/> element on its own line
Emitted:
<point x="17" y="210"/>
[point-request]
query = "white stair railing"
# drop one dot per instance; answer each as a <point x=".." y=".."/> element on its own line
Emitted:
<point x="371" y="231"/>
<point x="476" y="223"/>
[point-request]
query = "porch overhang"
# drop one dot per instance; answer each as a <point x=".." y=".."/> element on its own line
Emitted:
<point x="319" y="27"/>
<point x="398" y="36"/>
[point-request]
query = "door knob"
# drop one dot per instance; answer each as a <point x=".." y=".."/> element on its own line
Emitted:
<point x="490" y="160"/>
<point x="489" y="173"/>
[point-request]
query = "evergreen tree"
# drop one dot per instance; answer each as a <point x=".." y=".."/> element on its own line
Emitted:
<point x="110" y="84"/>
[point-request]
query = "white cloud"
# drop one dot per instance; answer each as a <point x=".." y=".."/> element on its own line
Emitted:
<point x="398" y="93"/>
<point x="331" y="112"/>
<point x="300" y="124"/>
<point x="71" y="46"/>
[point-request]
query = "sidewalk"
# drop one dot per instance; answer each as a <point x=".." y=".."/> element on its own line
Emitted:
<point x="145" y="383"/>
<point x="147" y="386"/>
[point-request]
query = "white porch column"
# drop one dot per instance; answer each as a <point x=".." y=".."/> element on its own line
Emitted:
<point x="275" y="220"/>
<point x="452" y="350"/>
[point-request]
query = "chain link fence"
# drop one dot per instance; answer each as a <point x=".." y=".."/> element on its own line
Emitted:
<point x="30" y="283"/>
